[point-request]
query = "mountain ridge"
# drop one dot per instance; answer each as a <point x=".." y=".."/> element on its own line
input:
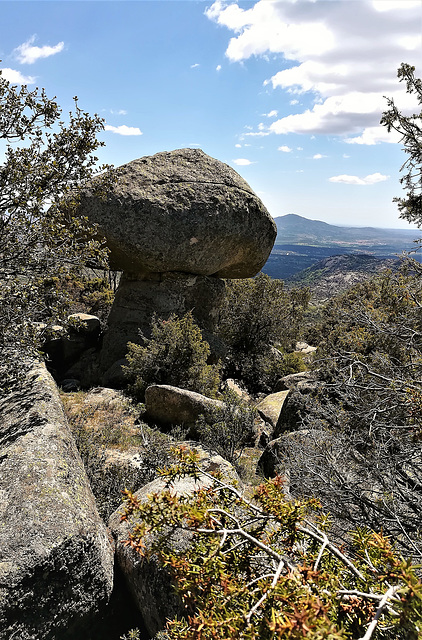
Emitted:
<point x="295" y="229"/>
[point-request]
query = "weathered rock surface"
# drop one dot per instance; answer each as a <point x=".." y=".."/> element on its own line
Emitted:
<point x="168" y="405"/>
<point x="183" y="211"/>
<point x="293" y="380"/>
<point x="56" y="560"/>
<point x="269" y="408"/>
<point x="136" y="301"/>
<point x="288" y="451"/>
<point x="296" y="406"/>
<point x="149" y="582"/>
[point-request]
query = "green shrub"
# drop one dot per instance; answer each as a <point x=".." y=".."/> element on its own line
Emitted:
<point x="268" y="568"/>
<point x="228" y="430"/>
<point x="257" y="314"/>
<point x="176" y="354"/>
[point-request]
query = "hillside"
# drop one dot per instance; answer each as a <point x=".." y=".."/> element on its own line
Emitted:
<point x="294" y="229"/>
<point x="302" y="242"/>
<point x="335" y="274"/>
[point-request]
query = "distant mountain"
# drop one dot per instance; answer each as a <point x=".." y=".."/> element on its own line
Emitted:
<point x="293" y="229"/>
<point x="335" y="274"/>
<point x="302" y="242"/>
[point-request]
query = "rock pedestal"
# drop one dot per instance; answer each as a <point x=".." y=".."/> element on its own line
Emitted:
<point x="136" y="302"/>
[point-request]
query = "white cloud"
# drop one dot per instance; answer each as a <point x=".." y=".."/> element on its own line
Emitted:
<point x="194" y="66"/>
<point x="299" y="148"/>
<point x="374" y="135"/>
<point x="285" y="149"/>
<point x="271" y="114"/>
<point x="242" y="162"/>
<point x="371" y="179"/>
<point x="318" y="156"/>
<point x="218" y="67"/>
<point x="120" y="112"/>
<point x="238" y="146"/>
<point x="328" y="48"/>
<point x="345" y="155"/>
<point x="123" y="130"/>
<point x="390" y="5"/>
<point x="15" y="77"/>
<point x="257" y="134"/>
<point x="26" y="53"/>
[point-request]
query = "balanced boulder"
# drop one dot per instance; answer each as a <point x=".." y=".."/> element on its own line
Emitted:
<point x="182" y="211"/>
<point x="175" y="223"/>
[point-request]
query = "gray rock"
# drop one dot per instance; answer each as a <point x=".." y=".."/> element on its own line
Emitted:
<point x="269" y="408"/>
<point x="293" y="380"/>
<point x="136" y="301"/>
<point x="287" y="451"/>
<point x="183" y="211"/>
<point x="149" y="582"/>
<point x="296" y="406"/>
<point x="85" y="323"/>
<point x="167" y="405"/>
<point x="56" y="560"/>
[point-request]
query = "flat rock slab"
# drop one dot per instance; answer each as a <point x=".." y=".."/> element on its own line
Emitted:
<point x="182" y="211"/>
<point x="56" y="559"/>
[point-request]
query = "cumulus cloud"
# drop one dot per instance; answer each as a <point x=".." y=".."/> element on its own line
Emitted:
<point x="27" y="53"/>
<point x="371" y="179"/>
<point x="124" y="130"/>
<point x="318" y="156"/>
<point x="327" y="50"/>
<point x="16" y="77"/>
<point x="285" y="149"/>
<point x="194" y="66"/>
<point x="218" y="67"/>
<point x="242" y="162"/>
<point x="119" y="112"/>
<point x="272" y="114"/>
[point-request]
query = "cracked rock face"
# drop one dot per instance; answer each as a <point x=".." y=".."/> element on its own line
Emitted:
<point x="183" y="211"/>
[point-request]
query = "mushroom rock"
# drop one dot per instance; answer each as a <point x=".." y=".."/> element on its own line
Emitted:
<point x="182" y="211"/>
<point x="175" y="223"/>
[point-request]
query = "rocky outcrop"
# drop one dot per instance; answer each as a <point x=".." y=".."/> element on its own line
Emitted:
<point x="167" y="405"/>
<point x="183" y="211"/>
<point x="175" y="223"/>
<point x="149" y="582"/>
<point x="293" y="381"/>
<point x="56" y="559"/>
<point x="73" y="354"/>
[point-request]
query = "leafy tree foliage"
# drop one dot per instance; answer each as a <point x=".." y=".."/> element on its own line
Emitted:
<point x="45" y="164"/>
<point x="410" y="128"/>
<point x="176" y="354"/>
<point x="266" y="568"/>
<point x="258" y="315"/>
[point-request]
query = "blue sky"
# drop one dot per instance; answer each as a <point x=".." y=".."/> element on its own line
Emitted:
<point x="289" y="93"/>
